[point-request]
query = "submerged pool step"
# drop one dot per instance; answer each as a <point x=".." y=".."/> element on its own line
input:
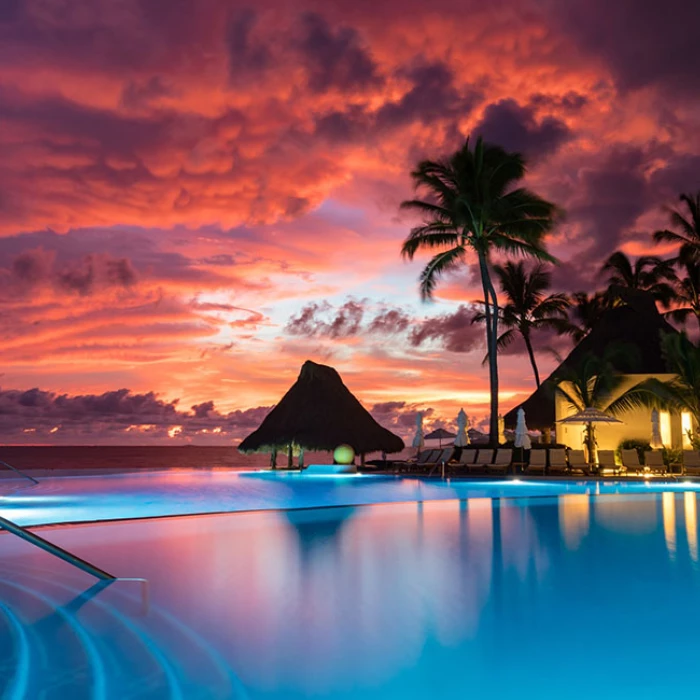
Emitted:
<point x="130" y="656"/>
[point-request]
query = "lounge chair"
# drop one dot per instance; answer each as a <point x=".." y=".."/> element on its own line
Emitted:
<point x="501" y="462"/>
<point x="630" y="460"/>
<point x="483" y="457"/>
<point x="466" y="460"/>
<point x="654" y="461"/>
<point x="424" y="458"/>
<point x="606" y="463"/>
<point x="578" y="462"/>
<point x="557" y="461"/>
<point x="538" y="462"/>
<point x="691" y="462"/>
<point x="443" y="456"/>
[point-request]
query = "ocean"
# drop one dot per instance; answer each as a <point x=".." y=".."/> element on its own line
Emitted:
<point x="150" y="457"/>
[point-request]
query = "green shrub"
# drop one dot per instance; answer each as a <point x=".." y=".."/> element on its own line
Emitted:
<point x="672" y="456"/>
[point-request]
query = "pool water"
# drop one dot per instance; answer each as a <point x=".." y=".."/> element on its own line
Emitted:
<point x="187" y="491"/>
<point x="573" y="595"/>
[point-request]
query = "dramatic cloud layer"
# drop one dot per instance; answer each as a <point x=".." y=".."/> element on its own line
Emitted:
<point x="195" y="197"/>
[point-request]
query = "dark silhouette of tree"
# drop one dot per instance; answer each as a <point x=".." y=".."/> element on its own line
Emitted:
<point x="528" y="308"/>
<point x="685" y="228"/>
<point x="472" y="206"/>
<point x="647" y="273"/>
<point x="687" y="294"/>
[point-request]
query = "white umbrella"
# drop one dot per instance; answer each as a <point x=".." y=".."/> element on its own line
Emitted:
<point x="501" y="430"/>
<point x="418" y="437"/>
<point x="522" y="439"/>
<point x="462" y="439"/>
<point x="656" y="441"/>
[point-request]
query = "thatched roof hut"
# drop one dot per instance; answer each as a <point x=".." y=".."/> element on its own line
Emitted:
<point x="319" y="413"/>
<point x="637" y="323"/>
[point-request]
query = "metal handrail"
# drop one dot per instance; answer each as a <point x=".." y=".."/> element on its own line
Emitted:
<point x="57" y="551"/>
<point x="17" y="471"/>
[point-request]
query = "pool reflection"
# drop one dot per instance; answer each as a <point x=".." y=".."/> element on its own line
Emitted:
<point x="418" y="599"/>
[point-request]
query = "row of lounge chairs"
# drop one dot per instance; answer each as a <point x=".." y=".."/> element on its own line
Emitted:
<point x="547" y="461"/>
<point x="470" y="460"/>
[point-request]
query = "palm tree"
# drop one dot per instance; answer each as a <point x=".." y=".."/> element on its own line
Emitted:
<point x="687" y="294"/>
<point x="682" y="393"/>
<point x="683" y="360"/>
<point x="585" y="312"/>
<point x="687" y="234"/>
<point x="594" y="382"/>
<point x="527" y="309"/>
<point x="473" y="206"/>
<point x="648" y="273"/>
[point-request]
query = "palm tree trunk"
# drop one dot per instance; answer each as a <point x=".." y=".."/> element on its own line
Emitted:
<point x="530" y="352"/>
<point x="491" y="313"/>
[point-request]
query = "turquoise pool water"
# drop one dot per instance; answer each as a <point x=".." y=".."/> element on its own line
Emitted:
<point x="550" y="595"/>
<point x="185" y="492"/>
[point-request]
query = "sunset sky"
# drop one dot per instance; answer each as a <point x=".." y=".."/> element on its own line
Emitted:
<point x="198" y="195"/>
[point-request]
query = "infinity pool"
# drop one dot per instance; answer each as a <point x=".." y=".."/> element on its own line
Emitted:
<point x="186" y="492"/>
<point x="481" y="591"/>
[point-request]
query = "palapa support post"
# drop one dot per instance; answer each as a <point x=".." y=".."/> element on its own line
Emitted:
<point x="301" y="458"/>
<point x="290" y="460"/>
<point x="273" y="458"/>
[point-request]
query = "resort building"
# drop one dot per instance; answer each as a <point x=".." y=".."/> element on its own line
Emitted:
<point x="636" y="325"/>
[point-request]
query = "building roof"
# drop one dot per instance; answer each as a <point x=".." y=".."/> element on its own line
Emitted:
<point x="320" y="413"/>
<point x="637" y="323"/>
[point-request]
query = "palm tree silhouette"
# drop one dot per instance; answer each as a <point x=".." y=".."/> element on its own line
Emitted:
<point x="647" y="273"/>
<point x="473" y="206"/>
<point x="527" y="309"/>
<point x="687" y="234"/>
<point x="687" y="294"/>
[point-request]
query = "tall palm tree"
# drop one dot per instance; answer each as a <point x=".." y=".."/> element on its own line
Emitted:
<point x="687" y="233"/>
<point x="687" y="294"/>
<point x="527" y="309"/>
<point x="585" y="311"/>
<point x="472" y="205"/>
<point x="595" y="381"/>
<point x="647" y="273"/>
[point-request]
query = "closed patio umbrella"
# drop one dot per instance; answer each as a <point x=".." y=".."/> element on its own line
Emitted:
<point x="462" y="439"/>
<point x="501" y="430"/>
<point x="522" y="439"/>
<point x="418" y="440"/>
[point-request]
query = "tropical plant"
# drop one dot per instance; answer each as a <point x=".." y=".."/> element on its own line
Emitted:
<point x="647" y="273"/>
<point x="595" y="382"/>
<point x="687" y="294"/>
<point x="527" y="309"/>
<point x="682" y="393"/>
<point x="585" y="311"/>
<point x="472" y="205"/>
<point x="687" y="228"/>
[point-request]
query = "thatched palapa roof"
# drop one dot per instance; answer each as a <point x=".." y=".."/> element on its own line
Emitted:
<point x="637" y="323"/>
<point x="320" y="413"/>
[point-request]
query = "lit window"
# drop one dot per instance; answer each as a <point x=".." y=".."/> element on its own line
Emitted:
<point x="665" y="425"/>
<point x="687" y="428"/>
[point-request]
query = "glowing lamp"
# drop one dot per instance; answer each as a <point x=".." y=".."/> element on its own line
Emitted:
<point x="344" y="454"/>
